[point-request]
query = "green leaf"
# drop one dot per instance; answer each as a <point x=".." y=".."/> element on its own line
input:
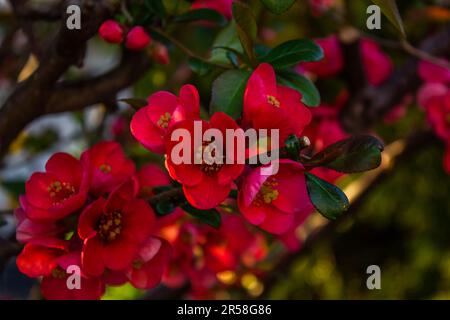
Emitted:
<point x="246" y="27"/>
<point x="210" y="217"/>
<point x="135" y="103"/>
<point x="198" y="66"/>
<point x="352" y="155"/>
<point x="328" y="199"/>
<point x="227" y="38"/>
<point x="164" y="208"/>
<point x="390" y="10"/>
<point x="278" y="6"/>
<point x="290" y="53"/>
<point x="202" y="15"/>
<point x="228" y="92"/>
<point x="310" y="94"/>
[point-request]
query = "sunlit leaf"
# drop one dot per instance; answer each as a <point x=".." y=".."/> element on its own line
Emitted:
<point x="390" y="10"/>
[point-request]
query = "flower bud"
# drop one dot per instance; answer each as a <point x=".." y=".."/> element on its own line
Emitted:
<point x="111" y="31"/>
<point x="137" y="39"/>
<point x="160" y="54"/>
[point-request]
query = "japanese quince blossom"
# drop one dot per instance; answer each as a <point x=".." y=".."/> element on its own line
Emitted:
<point x="377" y="65"/>
<point x="49" y="258"/>
<point x="205" y="183"/>
<point x="434" y="97"/>
<point x="151" y="123"/>
<point x="99" y="225"/>
<point x="113" y="230"/>
<point x="201" y="252"/>
<point x="59" y="191"/>
<point x="107" y="166"/>
<point x="271" y="106"/>
<point x="272" y="201"/>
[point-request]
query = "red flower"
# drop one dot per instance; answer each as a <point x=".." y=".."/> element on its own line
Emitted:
<point x="150" y="124"/>
<point x="150" y="263"/>
<point x="111" y="31"/>
<point x="332" y="62"/>
<point x="208" y="184"/>
<point x="271" y="202"/>
<point x="377" y="64"/>
<point x="54" y="286"/>
<point x="438" y="114"/>
<point x="39" y="257"/>
<point x="137" y="39"/>
<point x="59" y="191"/>
<point x="290" y="238"/>
<point x="222" y="6"/>
<point x="268" y="106"/>
<point x="114" y="229"/>
<point x="432" y="73"/>
<point x="150" y="176"/>
<point x="108" y="166"/>
<point x="27" y="229"/>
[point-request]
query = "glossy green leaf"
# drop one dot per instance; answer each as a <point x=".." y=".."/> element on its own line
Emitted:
<point x="352" y="155"/>
<point x="278" y="6"/>
<point x="310" y="94"/>
<point x="228" y="92"/>
<point x="202" y="15"/>
<point x="328" y="199"/>
<point x="210" y="217"/>
<point x="198" y="66"/>
<point x="292" y="52"/>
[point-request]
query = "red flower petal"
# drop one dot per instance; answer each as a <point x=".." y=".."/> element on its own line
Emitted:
<point x="118" y="254"/>
<point x="148" y="134"/>
<point x="138" y="221"/>
<point x="207" y="194"/>
<point x="89" y="218"/>
<point x="91" y="257"/>
<point x="277" y="222"/>
<point x="36" y="261"/>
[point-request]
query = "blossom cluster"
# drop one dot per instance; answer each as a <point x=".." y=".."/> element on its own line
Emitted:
<point x="270" y="202"/>
<point x="434" y="98"/>
<point x="90" y="213"/>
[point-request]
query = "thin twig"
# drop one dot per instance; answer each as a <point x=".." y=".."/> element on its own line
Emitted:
<point x="186" y="50"/>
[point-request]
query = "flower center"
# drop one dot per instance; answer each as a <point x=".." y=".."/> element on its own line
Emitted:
<point x="60" y="191"/>
<point x="105" y="168"/>
<point x="58" y="273"/>
<point x="164" y="120"/>
<point x="110" y="225"/>
<point x="273" y="101"/>
<point x="207" y="153"/>
<point x="267" y="193"/>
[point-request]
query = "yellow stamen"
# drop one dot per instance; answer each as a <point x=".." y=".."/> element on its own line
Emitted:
<point x="273" y="101"/>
